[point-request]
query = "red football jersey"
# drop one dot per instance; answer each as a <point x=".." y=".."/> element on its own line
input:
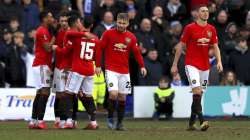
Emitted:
<point x="66" y="61"/>
<point x="59" y="43"/>
<point x="83" y="52"/>
<point x="198" y="39"/>
<point x="117" y="47"/>
<point x="41" y="56"/>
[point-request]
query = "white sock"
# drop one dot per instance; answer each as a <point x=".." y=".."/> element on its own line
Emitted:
<point x="57" y="119"/>
<point x="33" y="120"/>
<point x="69" y="120"/>
<point x="93" y="122"/>
<point x="61" y="124"/>
<point x="40" y="121"/>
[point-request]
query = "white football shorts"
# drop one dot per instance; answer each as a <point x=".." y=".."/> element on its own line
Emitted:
<point x="196" y="77"/>
<point x="42" y="76"/>
<point x="76" y="81"/>
<point x="59" y="80"/>
<point x="118" y="82"/>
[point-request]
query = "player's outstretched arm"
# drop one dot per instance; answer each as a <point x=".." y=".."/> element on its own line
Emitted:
<point x="178" y="50"/>
<point x="218" y="57"/>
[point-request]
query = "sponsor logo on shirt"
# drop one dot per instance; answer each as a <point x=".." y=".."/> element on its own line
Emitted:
<point x="203" y="41"/>
<point x="120" y="47"/>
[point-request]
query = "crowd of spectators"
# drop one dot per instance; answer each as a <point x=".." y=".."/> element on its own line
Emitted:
<point x="157" y="24"/>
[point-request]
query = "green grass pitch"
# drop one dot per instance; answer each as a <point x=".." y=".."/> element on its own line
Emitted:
<point x="137" y="130"/>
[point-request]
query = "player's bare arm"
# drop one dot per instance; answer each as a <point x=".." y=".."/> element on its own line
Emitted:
<point x="178" y="50"/>
<point x="218" y="57"/>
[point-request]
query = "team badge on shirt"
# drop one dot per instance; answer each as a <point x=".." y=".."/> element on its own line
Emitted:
<point x="209" y="34"/>
<point x="193" y="81"/>
<point x="127" y="40"/>
<point x="111" y="84"/>
<point x="45" y="37"/>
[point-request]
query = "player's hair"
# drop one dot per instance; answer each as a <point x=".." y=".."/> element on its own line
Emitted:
<point x="43" y="15"/>
<point x="72" y="19"/>
<point x="88" y="21"/>
<point x="73" y="12"/>
<point x="63" y="14"/>
<point x="123" y="16"/>
<point x="197" y="8"/>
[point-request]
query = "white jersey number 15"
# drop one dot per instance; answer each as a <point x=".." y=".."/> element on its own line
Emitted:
<point x="87" y="50"/>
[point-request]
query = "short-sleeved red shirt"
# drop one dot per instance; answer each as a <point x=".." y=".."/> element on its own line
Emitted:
<point x="42" y="57"/>
<point x="198" y="39"/>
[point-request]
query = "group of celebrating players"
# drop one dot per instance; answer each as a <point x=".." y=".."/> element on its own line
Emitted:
<point x="76" y="51"/>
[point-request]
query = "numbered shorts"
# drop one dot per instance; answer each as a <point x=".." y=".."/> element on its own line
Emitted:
<point x="76" y="81"/>
<point x="42" y="74"/>
<point x="118" y="82"/>
<point x="59" y="80"/>
<point x="196" y="77"/>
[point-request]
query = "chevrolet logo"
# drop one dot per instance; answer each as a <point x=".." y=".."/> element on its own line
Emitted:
<point x="120" y="46"/>
<point x="203" y="40"/>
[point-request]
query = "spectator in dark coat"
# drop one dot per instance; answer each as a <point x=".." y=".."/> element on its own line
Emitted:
<point x="231" y="34"/>
<point x="134" y="19"/>
<point x="159" y="23"/>
<point x="8" y="10"/>
<point x="170" y="39"/>
<point x="15" y="65"/>
<point x="239" y="61"/>
<point x="175" y="10"/>
<point x="146" y="37"/>
<point x="108" y="5"/>
<point x="220" y="25"/>
<point x="2" y="63"/>
<point x="14" y="25"/>
<point x="7" y="38"/>
<point x="154" y="69"/>
<point x="106" y="24"/>
<point x="30" y="16"/>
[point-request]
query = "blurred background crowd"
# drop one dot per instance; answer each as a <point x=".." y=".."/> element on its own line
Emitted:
<point x="157" y="24"/>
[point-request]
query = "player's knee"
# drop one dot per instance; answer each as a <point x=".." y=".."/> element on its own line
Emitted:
<point x="88" y="95"/>
<point x="45" y="91"/>
<point x="58" y="95"/>
<point x="197" y="90"/>
<point x="113" y="95"/>
<point x="121" y="97"/>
